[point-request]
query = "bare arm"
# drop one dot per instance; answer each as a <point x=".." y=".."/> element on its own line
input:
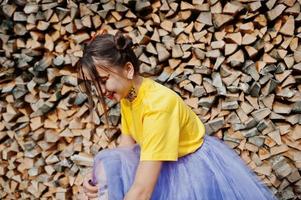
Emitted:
<point x="146" y="177"/>
<point x="126" y="141"/>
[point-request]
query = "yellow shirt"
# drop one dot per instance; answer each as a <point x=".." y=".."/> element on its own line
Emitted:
<point x="161" y="123"/>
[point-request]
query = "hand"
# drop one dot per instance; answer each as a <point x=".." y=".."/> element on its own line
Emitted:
<point x="137" y="193"/>
<point x="90" y="191"/>
<point x="82" y="196"/>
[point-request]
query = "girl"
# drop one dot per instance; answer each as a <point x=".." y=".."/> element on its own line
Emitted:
<point x="163" y="152"/>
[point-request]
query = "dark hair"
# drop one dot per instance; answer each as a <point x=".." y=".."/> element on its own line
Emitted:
<point x="111" y="51"/>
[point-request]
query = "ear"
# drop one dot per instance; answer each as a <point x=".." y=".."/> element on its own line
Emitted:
<point x="129" y="70"/>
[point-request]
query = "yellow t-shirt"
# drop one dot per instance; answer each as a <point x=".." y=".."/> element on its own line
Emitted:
<point x="161" y="123"/>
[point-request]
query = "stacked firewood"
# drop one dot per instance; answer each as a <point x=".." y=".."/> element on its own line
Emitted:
<point x="237" y="64"/>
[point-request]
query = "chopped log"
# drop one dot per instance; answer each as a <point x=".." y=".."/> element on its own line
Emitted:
<point x="218" y="44"/>
<point x="205" y="18"/>
<point x="230" y="48"/>
<point x="235" y="37"/>
<point x="236" y="59"/>
<point x="270" y="4"/>
<point x="276" y="12"/>
<point x="216" y="7"/>
<point x="281" y="108"/>
<point x="248" y="39"/>
<point x="163" y="54"/>
<point x="49" y="44"/>
<point x="8" y="9"/>
<point x="20" y="17"/>
<point x="231" y="8"/>
<point x="289" y="26"/>
<point x="297" y="56"/>
<point x="177" y="52"/>
<point x="31" y="8"/>
<point x="268" y="59"/>
<point x="221" y="19"/>
<point x="20" y="30"/>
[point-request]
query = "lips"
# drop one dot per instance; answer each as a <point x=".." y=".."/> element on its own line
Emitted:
<point x="110" y="95"/>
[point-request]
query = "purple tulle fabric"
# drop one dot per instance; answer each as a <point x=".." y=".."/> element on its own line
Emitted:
<point x="213" y="172"/>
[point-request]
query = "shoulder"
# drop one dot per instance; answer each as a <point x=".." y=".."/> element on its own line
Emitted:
<point x="160" y="97"/>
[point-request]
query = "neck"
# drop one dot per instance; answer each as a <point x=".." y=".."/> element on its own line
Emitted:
<point x="137" y="81"/>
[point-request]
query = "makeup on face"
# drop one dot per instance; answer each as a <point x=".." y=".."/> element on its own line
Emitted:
<point x="112" y="82"/>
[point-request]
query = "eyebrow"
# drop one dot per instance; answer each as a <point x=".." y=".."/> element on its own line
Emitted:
<point x="103" y="76"/>
<point x="90" y="80"/>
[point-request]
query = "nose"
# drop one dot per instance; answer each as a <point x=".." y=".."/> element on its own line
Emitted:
<point x="103" y="88"/>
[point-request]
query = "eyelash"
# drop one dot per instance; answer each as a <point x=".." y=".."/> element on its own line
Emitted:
<point x="103" y="79"/>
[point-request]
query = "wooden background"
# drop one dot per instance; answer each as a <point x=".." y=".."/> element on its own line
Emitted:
<point x="236" y="63"/>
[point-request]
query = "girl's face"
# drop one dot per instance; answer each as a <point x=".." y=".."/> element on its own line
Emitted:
<point x="115" y="83"/>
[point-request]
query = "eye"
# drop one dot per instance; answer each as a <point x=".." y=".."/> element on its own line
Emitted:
<point x="103" y="79"/>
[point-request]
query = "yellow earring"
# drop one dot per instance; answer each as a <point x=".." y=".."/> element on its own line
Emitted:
<point x="132" y="94"/>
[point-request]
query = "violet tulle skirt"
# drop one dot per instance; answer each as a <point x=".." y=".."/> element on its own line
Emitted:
<point x="213" y="172"/>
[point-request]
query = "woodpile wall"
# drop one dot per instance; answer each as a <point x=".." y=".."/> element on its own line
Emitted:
<point x="236" y="63"/>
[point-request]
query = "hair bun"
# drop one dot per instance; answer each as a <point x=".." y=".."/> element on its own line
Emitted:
<point x="122" y="42"/>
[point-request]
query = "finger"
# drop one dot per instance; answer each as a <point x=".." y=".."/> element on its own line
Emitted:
<point x="90" y="187"/>
<point x="92" y="195"/>
<point x="90" y="191"/>
<point x="82" y="195"/>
